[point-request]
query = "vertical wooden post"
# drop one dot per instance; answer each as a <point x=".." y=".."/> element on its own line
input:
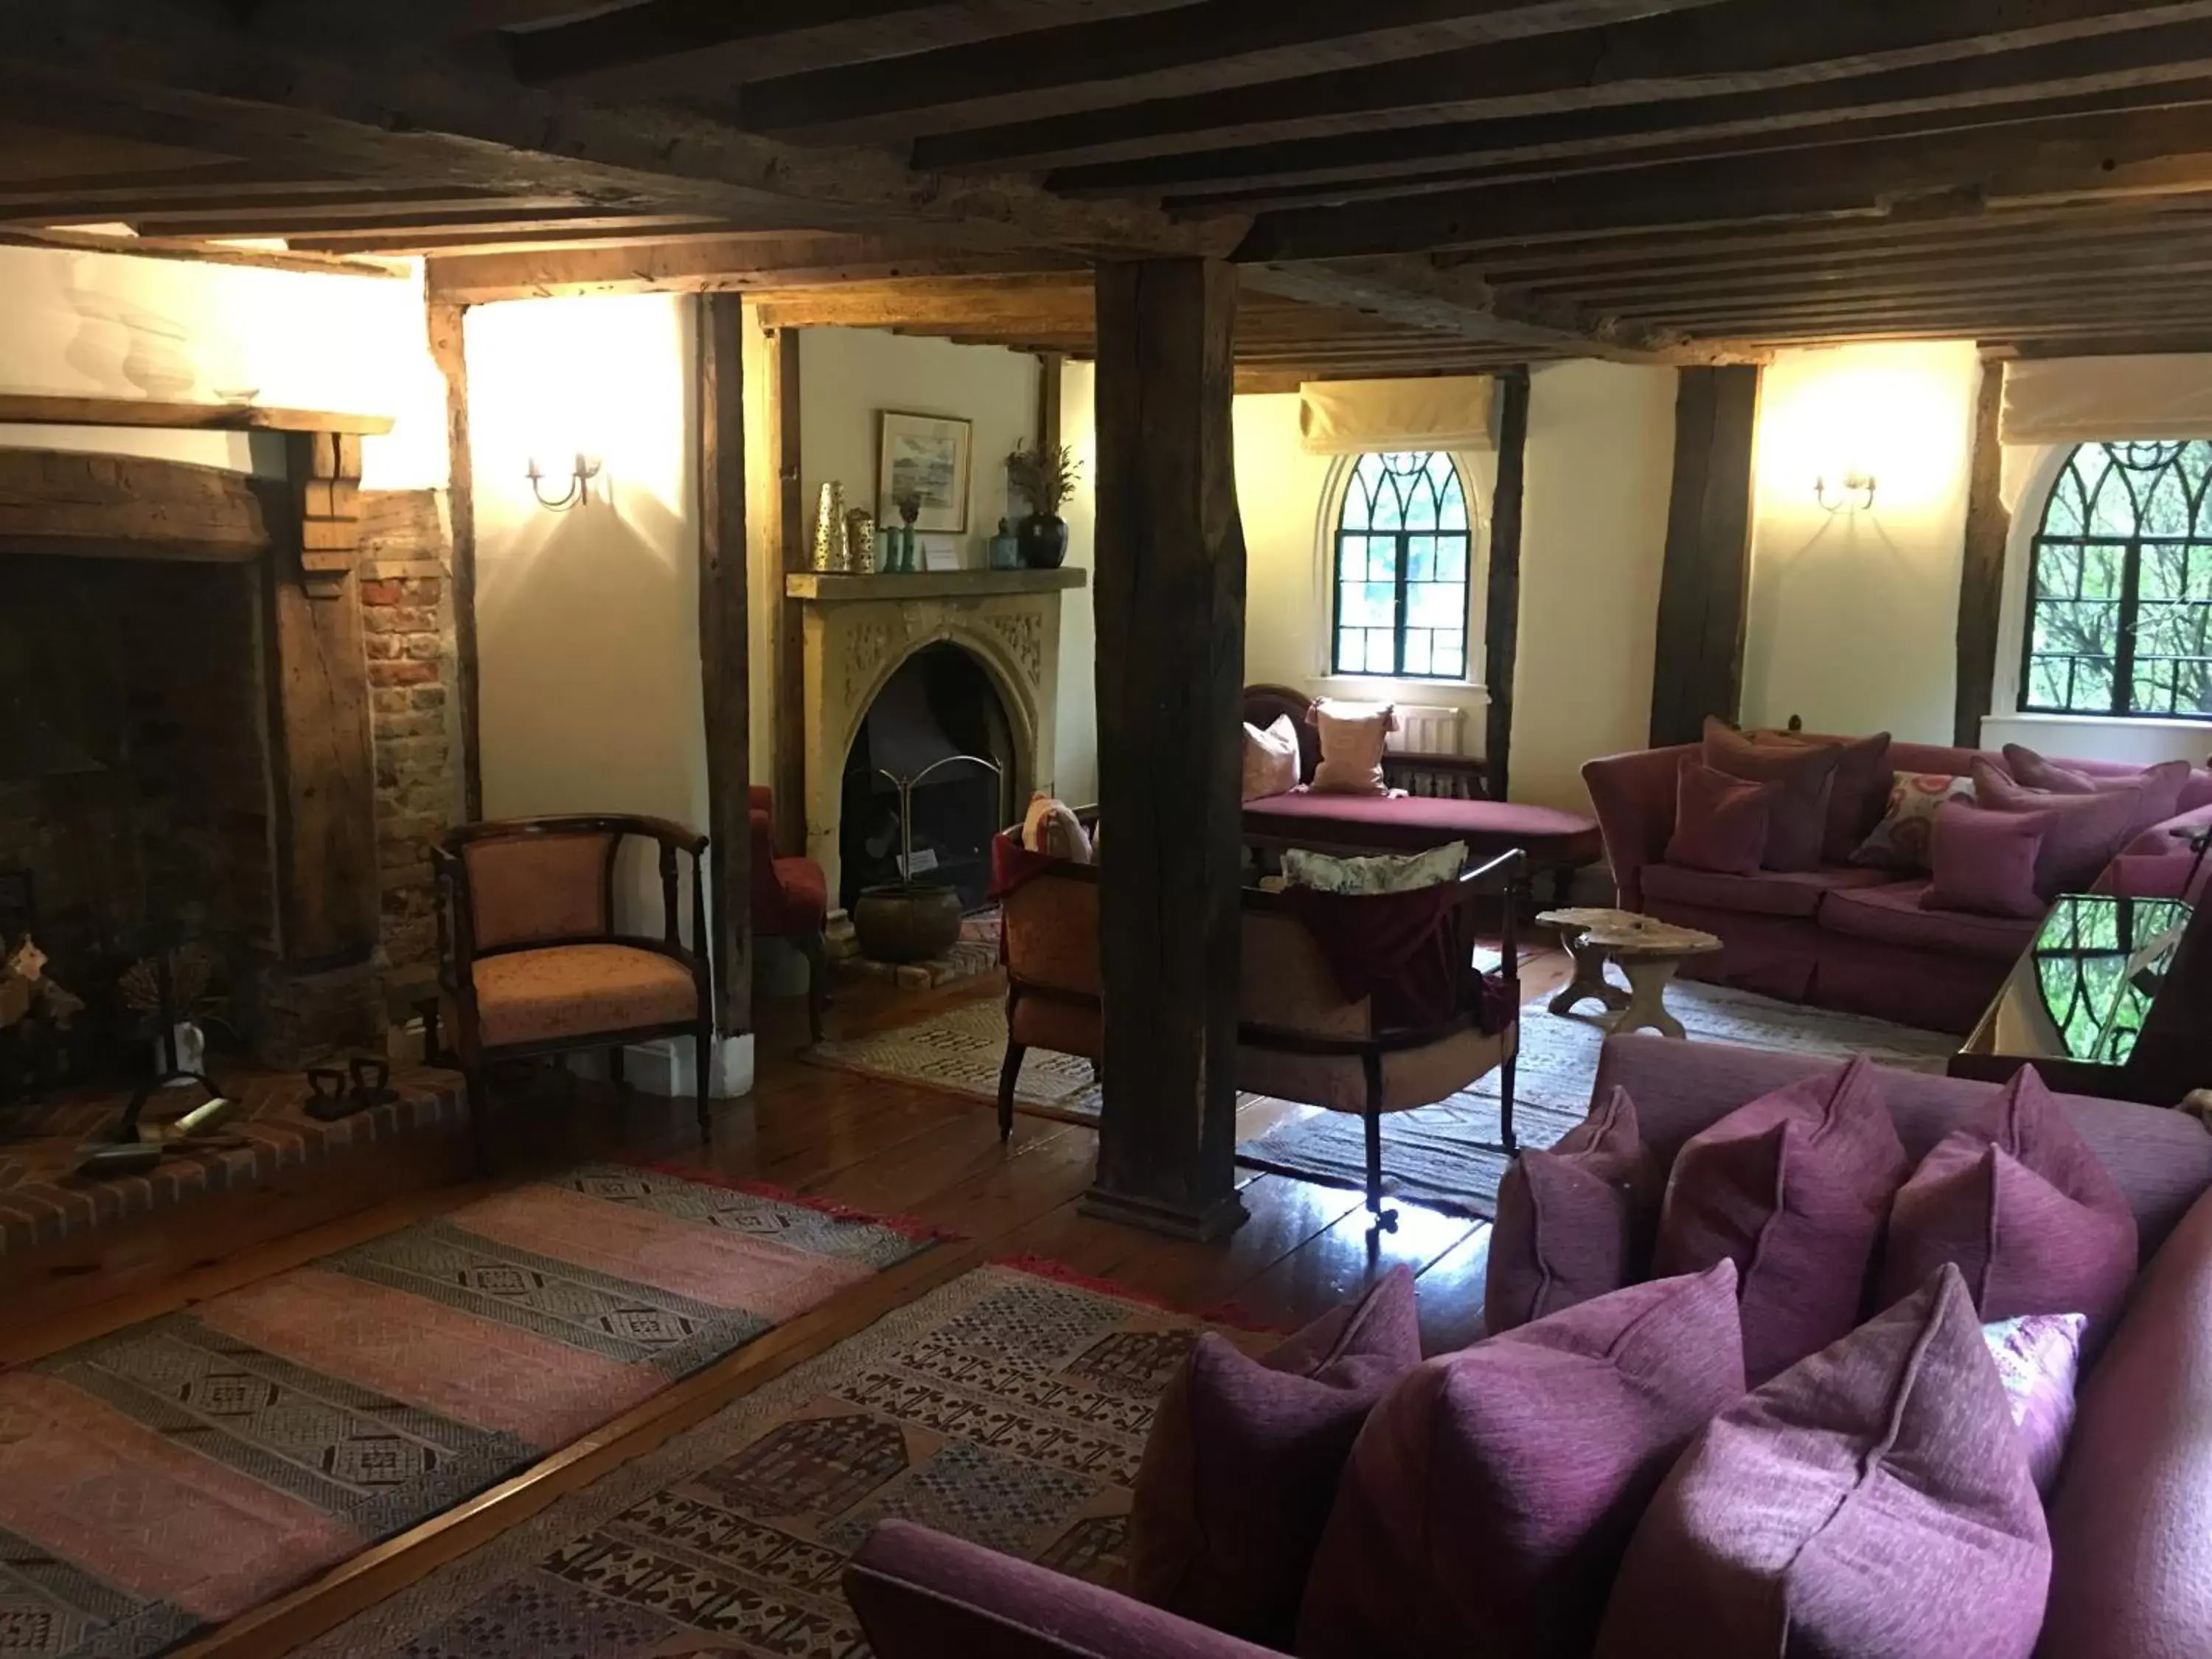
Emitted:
<point x="1502" y="605"/>
<point x="789" y="771"/>
<point x="447" y="347"/>
<point x="725" y="652"/>
<point x="1706" y="583"/>
<point x="1050" y="367"/>
<point x="1981" y="576"/>
<point x="1171" y="609"/>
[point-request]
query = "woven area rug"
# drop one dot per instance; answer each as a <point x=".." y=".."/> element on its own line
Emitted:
<point x="960" y="1051"/>
<point x="183" y="1471"/>
<point x="1006" y="1409"/>
<point x="1446" y="1156"/>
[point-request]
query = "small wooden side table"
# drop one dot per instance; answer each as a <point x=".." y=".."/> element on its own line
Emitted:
<point x="1648" y="951"/>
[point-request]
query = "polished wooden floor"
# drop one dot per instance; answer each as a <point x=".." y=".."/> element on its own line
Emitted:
<point x="878" y="1146"/>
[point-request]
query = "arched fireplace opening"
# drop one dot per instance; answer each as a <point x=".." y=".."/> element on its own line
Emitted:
<point x="940" y="701"/>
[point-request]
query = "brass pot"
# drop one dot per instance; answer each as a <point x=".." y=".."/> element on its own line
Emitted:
<point x="907" y="921"/>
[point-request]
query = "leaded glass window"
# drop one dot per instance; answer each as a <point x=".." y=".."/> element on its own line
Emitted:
<point x="1402" y="564"/>
<point x="2120" y="603"/>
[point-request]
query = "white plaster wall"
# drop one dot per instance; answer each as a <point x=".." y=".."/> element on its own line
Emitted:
<point x="111" y="325"/>
<point x="1076" y="744"/>
<point x="1853" y="618"/>
<point x="1599" y="465"/>
<point x="847" y="375"/>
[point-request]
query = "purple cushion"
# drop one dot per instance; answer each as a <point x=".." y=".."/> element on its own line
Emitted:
<point x="1720" y="822"/>
<point x="1487" y="1505"/>
<point x="1241" y="1470"/>
<point x="1872" y="1502"/>
<point x="1574" y="1222"/>
<point x="2039" y="1360"/>
<point x="1861" y="794"/>
<point x="1793" y="1188"/>
<point x="920" y="1594"/>
<point x="1797" y="821"/>
<point x="1894" y="914"/>
<point x="2158" y="787"/>
<point x="2082" y="834"/>
<point x="2015" y="1198"/>
<point x="1767" y="893"/>
<point x="1983" y="862"/>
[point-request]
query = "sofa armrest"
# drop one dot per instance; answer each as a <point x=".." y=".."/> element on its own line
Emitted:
<point x="2131" y="1521"/>
<point x="920" y="1594"/>
<point x="1634" y="796"/>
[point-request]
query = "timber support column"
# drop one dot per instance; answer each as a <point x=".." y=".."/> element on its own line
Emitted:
<point x="1170" y="619"/>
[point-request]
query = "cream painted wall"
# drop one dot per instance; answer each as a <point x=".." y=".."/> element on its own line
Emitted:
<point x="1076" y="751"/>
<point x="112" y="325"/>
<point x="1599" y="471"/>
<point x="1853" y="617"/>
<point x="847" y="375"/>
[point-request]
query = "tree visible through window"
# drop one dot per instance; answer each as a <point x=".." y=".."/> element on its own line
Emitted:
<point x="2120" y="605"/>
<point x="1401" y="558"/>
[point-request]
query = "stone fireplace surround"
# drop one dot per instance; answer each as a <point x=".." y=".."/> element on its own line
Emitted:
<point x="856" y="632"/>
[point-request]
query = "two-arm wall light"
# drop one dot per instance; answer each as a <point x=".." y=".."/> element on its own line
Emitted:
<point x="579" y="492"/>
<point x="1850" y="492"/>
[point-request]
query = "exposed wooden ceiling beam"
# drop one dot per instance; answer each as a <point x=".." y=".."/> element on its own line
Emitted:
<point x="154" y="247"/>
<point x="1745" y="45"/>
<point x="726" y="264"/>
<point x="1193" y="50"/>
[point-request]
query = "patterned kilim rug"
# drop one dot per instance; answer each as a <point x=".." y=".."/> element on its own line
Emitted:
<point x="1446" y="1156"/>
<point x="961" y="1051"/>
<point x="180" y="1472"/>
<point x="1004" y="1408"/>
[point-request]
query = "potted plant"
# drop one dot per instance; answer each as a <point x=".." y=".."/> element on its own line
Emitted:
<point x="1044" y="477"/>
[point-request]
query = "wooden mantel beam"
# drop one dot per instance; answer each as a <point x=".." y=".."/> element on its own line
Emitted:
<point x="36" y="409"/>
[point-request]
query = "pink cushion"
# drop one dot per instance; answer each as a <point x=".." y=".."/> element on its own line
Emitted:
<point x="1797" y="820"/>
<point x="1241" y="1466"/>
<point x="2015" y="1198"/>
<point x="580" y="990"/>
<point x="1486" y="1508"/>
<point x="1574" y="1222"/>
<point x="2038" y="1361"/>
<point x="1861" y="794"/>
<point x="1983" y="862"/>
<point x="2082" y="833"/>
<point x="1351" y="742"/>
<point x="1271" y="759"/>
<point x="1893" y="915"/>
<point x="1765" y="893"/>
<point x="2157" y="788"/>
<point x="1793" y="1188"/>
<point x="1871" y="1503"/>
<point x="1720" y="822"/>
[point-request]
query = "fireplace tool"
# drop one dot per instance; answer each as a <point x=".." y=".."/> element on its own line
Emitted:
<point x="167" y="1016"/>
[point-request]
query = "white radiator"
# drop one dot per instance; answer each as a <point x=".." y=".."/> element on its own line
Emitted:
<point x="1427" y="729"/>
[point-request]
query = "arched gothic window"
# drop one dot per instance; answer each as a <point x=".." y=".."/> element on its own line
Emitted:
<point x="2120" y="589"/>
<point x="1401" y="570"/>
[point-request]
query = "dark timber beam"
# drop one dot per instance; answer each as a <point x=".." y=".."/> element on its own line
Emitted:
<point x="1501" y="644"/>
<point x="779" y="407"/>
<point x="1170" y="605"/>
<point x="725" y="655"/>
<point x="1981" y="576"/>
<point x="448" y="349"/>
<point x="1704" y="585"/>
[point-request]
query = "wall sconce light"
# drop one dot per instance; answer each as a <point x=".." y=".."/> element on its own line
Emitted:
<point x="1852" y="492"/>
<point x="579" y="492"/>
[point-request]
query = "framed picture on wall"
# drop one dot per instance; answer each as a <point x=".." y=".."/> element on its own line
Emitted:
<point x="925" y="455"/>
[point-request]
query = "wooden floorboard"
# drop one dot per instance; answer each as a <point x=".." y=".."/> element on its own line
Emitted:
<point x="884" y="1147"/>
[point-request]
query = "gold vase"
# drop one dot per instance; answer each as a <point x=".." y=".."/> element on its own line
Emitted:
<point x="827" y="552"/>
<point x="861" y="541"/>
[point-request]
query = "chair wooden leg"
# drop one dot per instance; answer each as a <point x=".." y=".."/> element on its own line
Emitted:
<point x="1387" y="1220"/>
<point x="1010" y="1073"/>
<point x="703" y="1048"/>
<point x="1506" y="1137"/>
<point x="813" y="948"/>
<point x="479" y="1098"/>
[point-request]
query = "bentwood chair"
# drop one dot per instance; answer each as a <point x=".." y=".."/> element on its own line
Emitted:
<point x="532" y="959"/>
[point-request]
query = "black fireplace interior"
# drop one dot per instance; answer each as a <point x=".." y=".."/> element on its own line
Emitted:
<point x="939" y="703"/>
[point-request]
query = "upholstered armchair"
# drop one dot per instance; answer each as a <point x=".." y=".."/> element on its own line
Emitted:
<point x="532" y="959"/>
<point x="791" y="902"/>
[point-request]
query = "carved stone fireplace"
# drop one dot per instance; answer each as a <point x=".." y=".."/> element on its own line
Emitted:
<point x="858" y="631"/>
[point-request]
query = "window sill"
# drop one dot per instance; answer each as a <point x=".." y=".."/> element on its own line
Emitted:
<point x="2132" y="722"/>
<point x="1411" y="688"/>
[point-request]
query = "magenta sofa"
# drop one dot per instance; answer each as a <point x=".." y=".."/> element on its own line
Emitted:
<point x="1844" y="937"/>
<point x="2130" y="1520"/>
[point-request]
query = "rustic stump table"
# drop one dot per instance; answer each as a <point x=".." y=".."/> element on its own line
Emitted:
<point x="1648" y="951"/>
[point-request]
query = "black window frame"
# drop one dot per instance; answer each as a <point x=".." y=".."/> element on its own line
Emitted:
<point x="2148" y="459"/>
<point x="1404" y="535"/>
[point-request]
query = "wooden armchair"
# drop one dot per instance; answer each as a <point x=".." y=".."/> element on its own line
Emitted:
<point x="1300" y="1037"/>
<point x="531" y="961"/>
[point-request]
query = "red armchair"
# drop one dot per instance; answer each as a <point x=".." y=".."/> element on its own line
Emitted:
<point x="791" y="901"/>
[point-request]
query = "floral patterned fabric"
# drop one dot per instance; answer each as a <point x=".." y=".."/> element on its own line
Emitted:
<point x="575" y="990"/>
<point x="1392" y="872"/>
<point x="2038" y="1357"/>
<point x="1902" y="840"/>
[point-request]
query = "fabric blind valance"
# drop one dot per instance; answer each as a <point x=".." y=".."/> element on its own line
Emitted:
<point x="1353" y="417"/>
<point x="2076" y="400"/>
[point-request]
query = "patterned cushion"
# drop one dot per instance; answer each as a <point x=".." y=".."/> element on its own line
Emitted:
<point x="2039" y="1360"/>
<point x="1390" y="872"/>
<point x="1271" y="759"/>
<point x="1902" y="839"/>
<point x="578" y="990"/>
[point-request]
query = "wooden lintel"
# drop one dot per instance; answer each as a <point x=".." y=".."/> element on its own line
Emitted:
<point x="39" y="409"/>
<point x="126" y="507"/>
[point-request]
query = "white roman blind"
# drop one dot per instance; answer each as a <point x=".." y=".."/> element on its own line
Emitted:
<point x="1360" y="417"/>
<point x="2079" y="400"/>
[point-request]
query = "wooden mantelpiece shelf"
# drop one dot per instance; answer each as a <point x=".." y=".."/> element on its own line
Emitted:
<point x="35" y="409"/>
<point x="823" y="587"/>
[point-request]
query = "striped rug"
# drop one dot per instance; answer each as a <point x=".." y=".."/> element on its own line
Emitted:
<point x="181" y="1472"/>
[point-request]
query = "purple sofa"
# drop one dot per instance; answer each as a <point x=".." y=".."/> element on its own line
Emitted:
<point x="2130" y="1520"/>
<point x="1844" y="937"/>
